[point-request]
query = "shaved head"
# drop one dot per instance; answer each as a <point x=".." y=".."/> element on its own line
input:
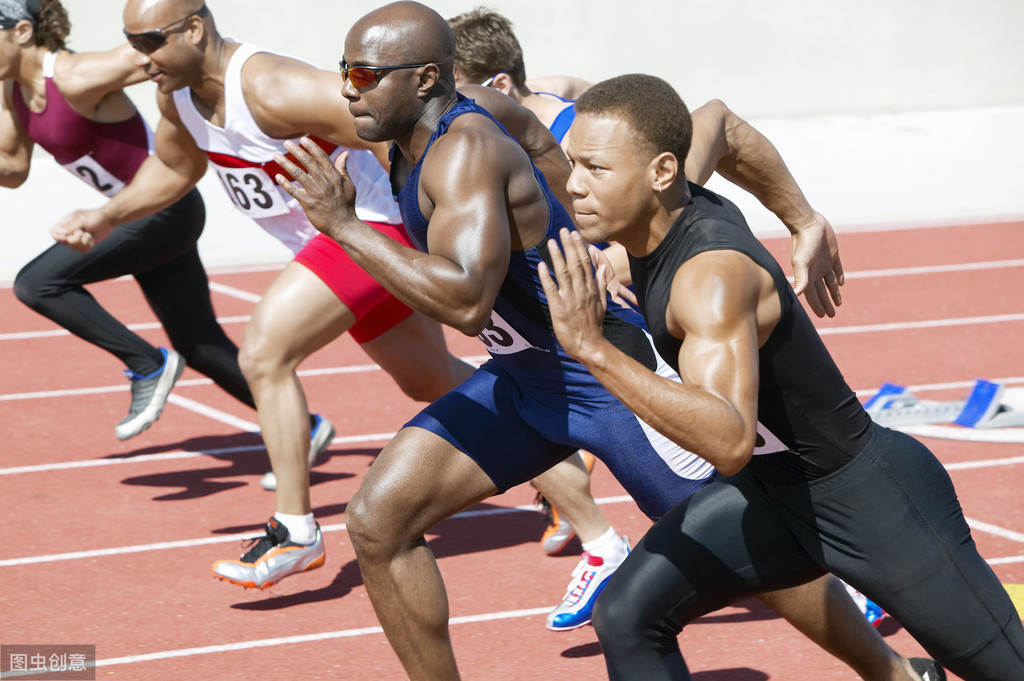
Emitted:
<point x="405" y="33"/>
<point x="159" y="12"/>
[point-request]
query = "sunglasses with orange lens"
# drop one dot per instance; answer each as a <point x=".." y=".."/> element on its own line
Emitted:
<point x="362" y="76"/>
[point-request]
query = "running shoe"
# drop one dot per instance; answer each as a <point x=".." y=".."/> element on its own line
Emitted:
<point x="871" y="611"/>
<point x="928" y="670"/>
<point x="149" y="395"/>
<point x="271" y="558"/>
<point x="319" y="440"/>
<point x="588" y="581"/>
<point x="559" y="531"/>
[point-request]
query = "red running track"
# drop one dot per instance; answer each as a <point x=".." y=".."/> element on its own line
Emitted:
<point x="111" y="543"/>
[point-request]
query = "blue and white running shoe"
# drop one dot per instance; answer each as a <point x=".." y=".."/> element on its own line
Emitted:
<point x="871" y="611"/>
<point x="588" y="581"/>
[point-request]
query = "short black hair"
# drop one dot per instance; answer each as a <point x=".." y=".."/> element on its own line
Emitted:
<point x="652" y="108"/>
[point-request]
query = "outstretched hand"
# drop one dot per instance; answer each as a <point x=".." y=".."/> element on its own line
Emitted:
<point x="323" y="189"/>
<point x="576" y="295"/>
<point x="817" y="269"/>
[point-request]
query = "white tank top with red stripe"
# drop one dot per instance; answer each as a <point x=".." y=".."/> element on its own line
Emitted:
<point x="243" y="158"/>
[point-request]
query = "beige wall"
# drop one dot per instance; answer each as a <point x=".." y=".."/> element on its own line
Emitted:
<point x="782" y="58"/>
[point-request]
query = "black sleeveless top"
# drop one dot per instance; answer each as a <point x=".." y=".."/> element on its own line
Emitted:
<point x="802" y="397"/>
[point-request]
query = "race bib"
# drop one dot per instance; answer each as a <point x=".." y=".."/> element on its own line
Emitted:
<point x="98" y="177"/>
<point x="252" y="191"/>
<point x="501" y="339"/>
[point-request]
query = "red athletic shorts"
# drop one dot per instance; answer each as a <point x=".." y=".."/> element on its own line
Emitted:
<point x="375" y="309"/>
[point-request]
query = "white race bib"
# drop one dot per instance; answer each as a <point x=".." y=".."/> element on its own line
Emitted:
<point x="252" y="191"/>
<point x="501" y="339"/>
<point x="98" y="177"/>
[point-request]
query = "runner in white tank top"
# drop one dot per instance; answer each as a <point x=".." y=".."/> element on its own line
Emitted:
<point x="239" y="152"/>
<point x="239" y="100"/>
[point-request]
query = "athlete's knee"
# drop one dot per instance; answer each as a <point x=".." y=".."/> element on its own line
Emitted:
<point x="615" y="622"/>
<point x="625" y="627"/>
<point x="259" y="356"/>
<point x="370" y="520"/>
<point x="30" y="288"/>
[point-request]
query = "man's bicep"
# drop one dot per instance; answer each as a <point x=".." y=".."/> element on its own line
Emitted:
<point x="469" y="223"/>
<point x="177" y="149"/>
<point x="713" y="307"/>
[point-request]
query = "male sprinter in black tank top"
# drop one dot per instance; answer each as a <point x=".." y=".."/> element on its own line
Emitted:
<point x="842" y="494"/>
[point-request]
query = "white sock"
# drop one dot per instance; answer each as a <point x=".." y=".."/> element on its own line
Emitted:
<point x="301" y="528"/>
<point x="608" y="546"/>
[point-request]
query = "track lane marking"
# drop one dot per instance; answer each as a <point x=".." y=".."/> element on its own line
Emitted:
<point x="189" y="543"/>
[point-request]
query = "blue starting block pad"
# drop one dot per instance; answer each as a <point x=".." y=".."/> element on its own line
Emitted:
<point x="893" y="405"/>
<point x="985" y="408"/>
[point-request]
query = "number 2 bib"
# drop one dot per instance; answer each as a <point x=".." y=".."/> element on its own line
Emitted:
<point x="87" y="168"/>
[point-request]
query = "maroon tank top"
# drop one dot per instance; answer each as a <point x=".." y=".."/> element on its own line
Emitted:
<point x="104" y="155"/>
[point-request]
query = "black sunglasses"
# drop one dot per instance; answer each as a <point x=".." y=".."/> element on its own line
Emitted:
<point x="361" y="76"/>
<point x="151" y="41"/>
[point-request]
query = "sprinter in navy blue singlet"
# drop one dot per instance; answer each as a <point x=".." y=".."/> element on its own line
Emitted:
<point x="537" y="405"/>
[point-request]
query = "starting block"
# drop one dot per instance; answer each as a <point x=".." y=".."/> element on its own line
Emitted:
<point x="894" y="406"/>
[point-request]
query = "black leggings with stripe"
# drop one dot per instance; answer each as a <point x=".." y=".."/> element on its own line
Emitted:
<point x="888" y="523"/>
<point x="160" y="251"/>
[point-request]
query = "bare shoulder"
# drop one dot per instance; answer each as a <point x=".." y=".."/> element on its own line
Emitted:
<point x="285" y="94"/>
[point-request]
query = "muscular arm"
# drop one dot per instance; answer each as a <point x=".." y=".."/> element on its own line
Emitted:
<point x="471" y="182"/>
<point x="165" y="176"/>
<point x="715" y="304"/>
<point x="87" y="77"/>
<point x="15" y="146"/>
<point x="725" y="143"/>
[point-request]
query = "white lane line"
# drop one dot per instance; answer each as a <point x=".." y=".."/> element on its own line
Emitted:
<point x="384" y="437"/>
<point x="980" y="526"/>
<point x="248" y="296"/>
<point x="167" y="456"/>
<point x="935" y="269"/>
<point x="967" y="465"/>
<point x="215" y="414"/>
<point x="976" y="525"/>
<point x="953" y="385"/>
<point x="140" y="326"/>
<point x="924" y="324"/>
<point x="77" y="392"/>
<point x="305" y="638"/>
<point x="353" y="633"/>
<point x="188" y="543"/>
<point x="235" y="292"/>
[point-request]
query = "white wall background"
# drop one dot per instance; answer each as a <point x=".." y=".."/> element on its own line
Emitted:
<point x="885" y="110"/>
<point x="781" y="58"/>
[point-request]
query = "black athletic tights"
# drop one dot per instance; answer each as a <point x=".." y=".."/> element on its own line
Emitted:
<point x="888" y="523"/>
<point x="160" y="252"/>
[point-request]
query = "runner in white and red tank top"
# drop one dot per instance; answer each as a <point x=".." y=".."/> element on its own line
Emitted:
<point x="240" y="105"/>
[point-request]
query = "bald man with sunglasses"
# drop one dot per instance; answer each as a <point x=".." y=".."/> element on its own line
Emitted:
<point x="229" y="105"/>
